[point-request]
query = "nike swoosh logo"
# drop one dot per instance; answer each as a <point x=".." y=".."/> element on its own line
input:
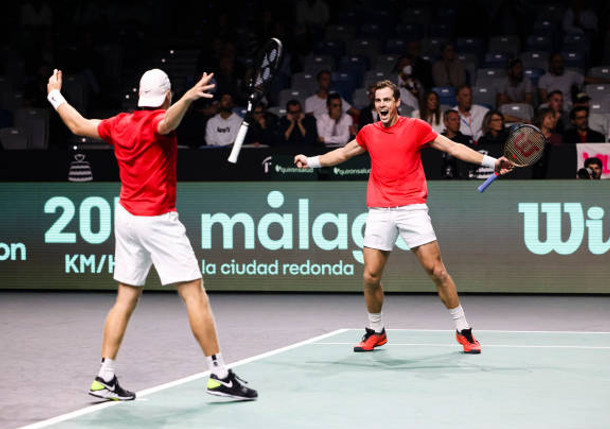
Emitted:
<point x="108" y="386"/>
<point x="229" y="384"/>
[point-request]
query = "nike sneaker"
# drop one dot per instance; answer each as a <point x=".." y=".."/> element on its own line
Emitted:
<point x="230" y="386"/>
<point x="370" y="340"/>
<point x="467" y="340"/>
<point x="110" y="390"/>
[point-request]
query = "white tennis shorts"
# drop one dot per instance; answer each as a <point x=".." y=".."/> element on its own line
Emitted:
<point x="142" y="241"/>
<point x="383" y="224"/>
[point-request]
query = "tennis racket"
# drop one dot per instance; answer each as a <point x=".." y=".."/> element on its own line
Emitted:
<point x="523" y="147"/>
<point x="266" y="65"/>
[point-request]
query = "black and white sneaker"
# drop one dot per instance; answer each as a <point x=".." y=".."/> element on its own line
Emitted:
<point x="110" y="390"/>
<point x="230" y="386"/>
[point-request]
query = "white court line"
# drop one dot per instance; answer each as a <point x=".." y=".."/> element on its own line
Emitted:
<point x="484" y="346"/>
<point x="97" y="407"/>
<point x="493" y="330"/>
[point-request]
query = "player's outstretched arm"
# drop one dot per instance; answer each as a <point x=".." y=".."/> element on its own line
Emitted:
<point x="331" y="158"/>
<point x="464" y="153"/>
<point x="77" y="124"/>
<point x="176" y="112"/>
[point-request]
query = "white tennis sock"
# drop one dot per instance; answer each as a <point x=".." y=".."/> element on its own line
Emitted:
<point x="217" y="365"/>
<point x="375" y="322"/>
<point x="459" y="318"/>
<point x="107" y="369"/>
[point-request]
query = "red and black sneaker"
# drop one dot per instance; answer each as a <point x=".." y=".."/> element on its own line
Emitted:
<point x="466" y="339"/>
<point x="370" y="340"/>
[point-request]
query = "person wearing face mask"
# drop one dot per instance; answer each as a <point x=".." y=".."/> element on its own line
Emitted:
<point x="410" y="87"/>
<point x="222" y="128"/>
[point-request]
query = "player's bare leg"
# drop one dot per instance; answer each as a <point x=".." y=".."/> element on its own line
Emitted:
<point x="200" y="315"/>
<point x="106" y="384"/>
<point x="429" y="256"/>
<point x="374" y="264"/>
<point x="118" y="318"/>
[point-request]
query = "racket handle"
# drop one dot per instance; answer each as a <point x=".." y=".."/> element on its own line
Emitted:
<point x="488" y="182"/>
<point x="239" y="141"/>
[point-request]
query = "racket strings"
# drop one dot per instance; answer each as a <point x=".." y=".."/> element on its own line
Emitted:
<point x="525" y="146"/>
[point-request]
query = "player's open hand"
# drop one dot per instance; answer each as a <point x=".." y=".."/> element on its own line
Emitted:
<point x="201" y="88"/>
<point x="503" y="165"/>
<point x="300" y="161"/>
<point x="55" y="81"/>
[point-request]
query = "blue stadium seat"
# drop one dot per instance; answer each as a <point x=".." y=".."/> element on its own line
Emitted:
<point x="520" y="110"/>
<point x="533" y="74"/>
<point x="344" y="83"/>
<point x="333" y="48"/>
<point x="496" y="60"/>
<point x="446" y="94"/>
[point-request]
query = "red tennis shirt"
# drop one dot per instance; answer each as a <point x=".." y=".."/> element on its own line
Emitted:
<point x="147" y="161"/>
<point x="397" y="175"/>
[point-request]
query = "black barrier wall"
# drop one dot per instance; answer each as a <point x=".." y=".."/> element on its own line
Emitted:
<point x="520" y="236"/>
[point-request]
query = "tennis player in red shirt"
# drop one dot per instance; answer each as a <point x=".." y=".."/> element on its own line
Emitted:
<point x="396" y="197"/>
<point x="147" y="229"/>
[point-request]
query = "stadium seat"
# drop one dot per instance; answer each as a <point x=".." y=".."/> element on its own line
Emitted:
<point x="535" y="59"/>
<point x="373" y="76"/>
<point x="36" y="122"/>
<point x="599" y="71"/>
<point x="417" y="14"/>
<point x="442" y="30"/>
<point x="14" y="139"/>
<point x="490" y="76"/>
<point x="360" y="98"/>
<point x="473" y="45"/>
<point x="395" y="46"/>
<point x="575" y="59"/>
<point x="520" y="110"/>
<point x="344" y="83"/>
<point x="446" y="94"/>
<point x="75" y="90"/>
<point x="408" y="31"/>
<point x="315" y="63"/>
<point x="355" y="64"/>
<point x="597" y="91"/>
<point x="495" y="60"/>
<point x="286" y="95"/>
<point x="278" y="111"/>
<point x="385" y="63"/>
<point x="339" y="32"/>
<point x="576" y="42"/>
<point x="305" y="82"/>
<point x="600" y="107"/>
<point x="508" y="44"/>
<point x="333" y="48"/>
<point x="432" y="46"/>
<point x="485" y="95"/>
<point x="533" y="74"/>
<point x="6" y="93"/>
<point x="367" y="47"/>
<point x="539" y="43"/>
<point x="371" y="30"/>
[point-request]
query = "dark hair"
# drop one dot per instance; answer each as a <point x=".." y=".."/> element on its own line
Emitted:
<point x="332" y="96"/>
<point x="449" y="111"/>
<point x="593" y="160"/>
<point x="487" y="119"/>
<point x="576" y="110"/>
<point x="423" y="107"/>
<point x="389" y="84"/>
<point x="321" y="72"/>
<point x="292" y="102"/>
<point x="550" y="94"/>
<point x="540" y="115"/>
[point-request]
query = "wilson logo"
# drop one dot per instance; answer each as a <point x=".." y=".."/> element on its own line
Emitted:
<point x="560" y="241"/>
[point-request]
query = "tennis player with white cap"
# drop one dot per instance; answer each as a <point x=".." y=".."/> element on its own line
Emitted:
<point x="147" y="229"/>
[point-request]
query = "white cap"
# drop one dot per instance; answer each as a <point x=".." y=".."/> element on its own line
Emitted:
<point x="154" y="84"/>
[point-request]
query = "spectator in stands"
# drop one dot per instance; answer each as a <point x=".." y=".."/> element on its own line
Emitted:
<point x="580" y="131"/>
<point x="369" y="114"/>
<point x="593" y="169"/>
<point x="493" y="129"/>
<point x="555" y="103"/>
<point x="546" y="121"/>
<point x="191" y="131"/>
<point x="262" y="129"/>
<point x="410" y="88"/>
<point x="515" y="88"/>
<point x="558" y="78"/>
<point x="448" y="70"/>
<point x="297" y="128"/>
<point x="230" y="78"/>
<point x="581" y="100"/>
<point x="430" y="111"/>
<point x="222" y="128"/>
<point x="316" y="104"/>
<point x="422" y="68"/>
<point x="335" y="128"/>
<point x="471" y="115"/>
<point x="452" y="167"/>
<point x="579" y="18"/>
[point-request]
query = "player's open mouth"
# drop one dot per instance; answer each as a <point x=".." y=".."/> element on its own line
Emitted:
<point x="383" y="113"/>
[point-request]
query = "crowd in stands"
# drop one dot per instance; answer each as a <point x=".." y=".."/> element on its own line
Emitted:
<point x="470" y="69"/>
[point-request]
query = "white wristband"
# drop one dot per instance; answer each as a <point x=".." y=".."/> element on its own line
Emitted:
<point x="313" y="162"/>
<point x="489" y="162"/>
<point x="56" y="99"/>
